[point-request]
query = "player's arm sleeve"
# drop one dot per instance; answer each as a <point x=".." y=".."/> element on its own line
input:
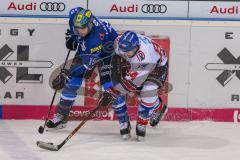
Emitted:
<point x="134" y="80"/>
<point x="136" y="77"/>
<point x="88" y="61"/>
<point x="139" y="76"/>
<point x="111" y="32"/>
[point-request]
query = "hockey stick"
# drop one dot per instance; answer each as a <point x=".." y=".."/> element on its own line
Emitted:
<point x="42" y="128"/>
<point x="52" y="147"/>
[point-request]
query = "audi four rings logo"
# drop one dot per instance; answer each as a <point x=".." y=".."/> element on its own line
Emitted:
<point x="154" y="8"/>
<point x="52" y="6"/>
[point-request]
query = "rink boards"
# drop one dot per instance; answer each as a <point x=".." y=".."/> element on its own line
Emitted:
<point x="203" y="68"/>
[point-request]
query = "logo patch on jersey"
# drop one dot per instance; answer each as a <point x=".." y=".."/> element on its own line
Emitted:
<point x="98" y="48"/>
<point x="140" y="56"/>
<point x="132" y="75"/>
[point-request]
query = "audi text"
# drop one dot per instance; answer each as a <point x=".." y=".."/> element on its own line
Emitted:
<point x="28" y="6"/>
<point x="144" y="8"/>
<point x="43" y="6"/>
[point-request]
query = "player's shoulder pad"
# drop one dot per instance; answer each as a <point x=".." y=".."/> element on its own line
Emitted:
<point x="102" y="25"/>
<point x="144" y="39"/>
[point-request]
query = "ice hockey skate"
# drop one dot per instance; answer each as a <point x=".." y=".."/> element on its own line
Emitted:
<point x="140" y="131"/>
<point x="125" y="129"/>
<point x="57" y="122"/>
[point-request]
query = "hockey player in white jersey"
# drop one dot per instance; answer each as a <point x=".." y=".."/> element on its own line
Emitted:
<point x="148" y="72"/>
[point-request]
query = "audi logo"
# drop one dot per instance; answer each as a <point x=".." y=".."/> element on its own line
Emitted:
<point x="52" y="6"/>
<point x="154" y="8"/>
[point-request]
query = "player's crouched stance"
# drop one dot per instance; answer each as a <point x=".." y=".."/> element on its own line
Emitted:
<point x="146" y="74"/>
<point x="89" y="37"/>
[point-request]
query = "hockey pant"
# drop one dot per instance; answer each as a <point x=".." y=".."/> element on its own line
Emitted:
<point x="150" y="102"/>
<point x="69" y="92"/>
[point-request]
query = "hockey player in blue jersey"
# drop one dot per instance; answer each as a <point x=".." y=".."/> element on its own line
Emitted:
<point x="92" y="39"/>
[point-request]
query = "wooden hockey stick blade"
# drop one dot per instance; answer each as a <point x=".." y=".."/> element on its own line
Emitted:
<point x="47" y="146"/>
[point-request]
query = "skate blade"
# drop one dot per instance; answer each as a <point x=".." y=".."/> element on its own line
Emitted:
<point x="140" y="138"/>
<point x="126" y="137"/>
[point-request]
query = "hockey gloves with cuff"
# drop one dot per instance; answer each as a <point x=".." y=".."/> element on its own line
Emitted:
<point x="108" y="97"/>
<point x="59" y="82"/>
<point x="71" y="43"/>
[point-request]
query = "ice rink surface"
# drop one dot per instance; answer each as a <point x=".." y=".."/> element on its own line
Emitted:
<point x="100" y="140"/>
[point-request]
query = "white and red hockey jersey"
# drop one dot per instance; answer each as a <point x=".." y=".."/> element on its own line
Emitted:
<point x="143" y="62"/>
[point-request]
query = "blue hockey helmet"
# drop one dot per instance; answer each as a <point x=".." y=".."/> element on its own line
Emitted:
<point x="82" y="18"/>
<point x="128" y="41"/>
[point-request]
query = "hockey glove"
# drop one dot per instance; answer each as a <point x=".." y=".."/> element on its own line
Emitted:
<point x="108" y="97"/>
<point x="71" y="43"/>
<point x="159" y="75"/>
<point x="59" y="82"/>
